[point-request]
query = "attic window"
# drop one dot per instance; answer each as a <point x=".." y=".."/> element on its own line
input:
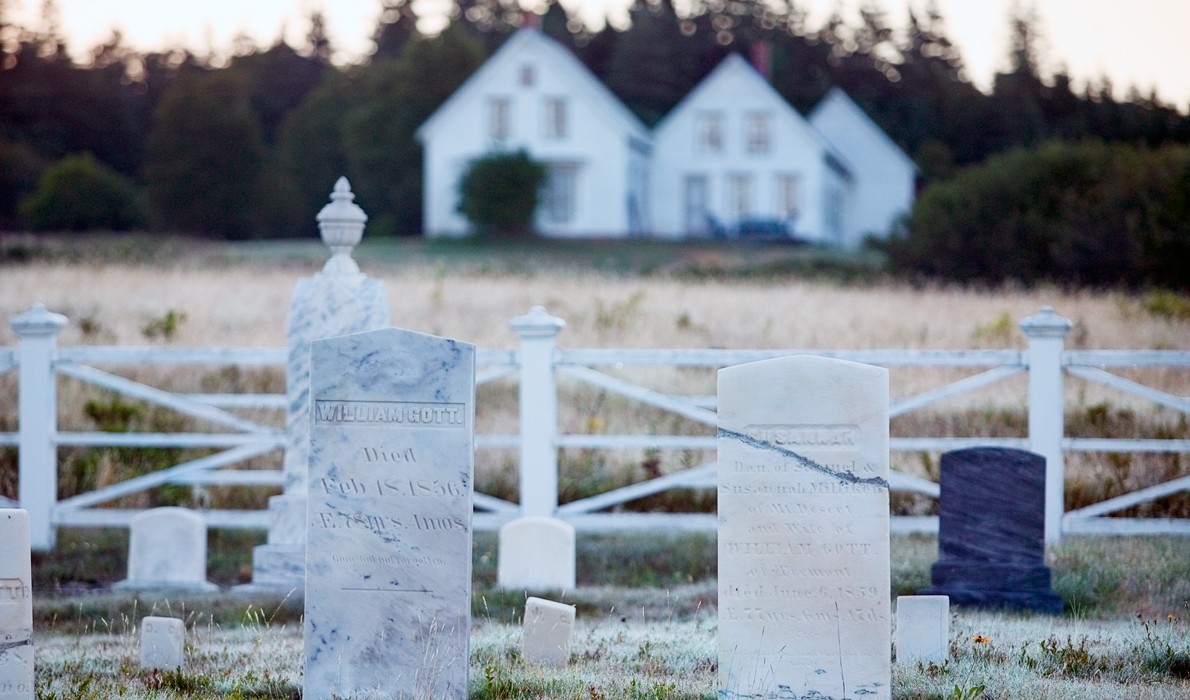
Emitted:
<point x="710" y="132"/>
<point x="527" y="75"/>
<point x="757" y="136"/>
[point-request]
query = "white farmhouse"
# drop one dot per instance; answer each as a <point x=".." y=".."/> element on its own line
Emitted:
<point x="885" y="179"/>
<point x="534" y="94"/>
<point x="733" y="158"/>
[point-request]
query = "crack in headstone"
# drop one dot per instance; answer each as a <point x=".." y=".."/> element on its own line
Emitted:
<point x="5" y="646"/>
<point x="804" y="461"/>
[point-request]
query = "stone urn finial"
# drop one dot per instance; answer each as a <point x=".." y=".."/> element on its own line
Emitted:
<point x="341" y="225"/>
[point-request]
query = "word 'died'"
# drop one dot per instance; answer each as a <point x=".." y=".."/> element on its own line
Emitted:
<point x="424" y="415"/>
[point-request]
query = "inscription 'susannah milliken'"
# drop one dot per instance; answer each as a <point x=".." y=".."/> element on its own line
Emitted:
<point x="424" y="415"/>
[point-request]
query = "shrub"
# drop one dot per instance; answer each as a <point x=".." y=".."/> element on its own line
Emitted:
<point x="79" y="193"/>
<point x="499" y="193"/>
<point x="1085" y="213"/>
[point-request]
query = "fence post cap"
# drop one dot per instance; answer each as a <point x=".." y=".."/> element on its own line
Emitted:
<point x="537" y="323"/>
<point x="341" y="225"/>
<point x="1046" y="324"/>
<point x="37" y="321"/>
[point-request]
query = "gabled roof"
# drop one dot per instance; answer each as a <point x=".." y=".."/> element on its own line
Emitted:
<point x="837" y="101"/>
<point x="548" y="55"/>
<point x="734" y="69"/>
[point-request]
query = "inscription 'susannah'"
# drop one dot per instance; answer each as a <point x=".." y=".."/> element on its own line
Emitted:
<point x="432" y="415"/>
<point x="805" y="435"/>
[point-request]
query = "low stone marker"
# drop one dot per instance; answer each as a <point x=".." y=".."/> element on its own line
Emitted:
<point x="548" y="626"/>
<point x="388" y="554"/>
<point x="923" y="628"/>
<point x="991" y="531"/>
<point x="16" y="607"/>
<point x="162" y="643"/>
<point x="167" y="550"/>
<point x="804" y="573"/>
<point x="536" y="554"/>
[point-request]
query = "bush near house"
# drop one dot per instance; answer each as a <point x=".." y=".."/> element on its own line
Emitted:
<point x="499" y="193"/>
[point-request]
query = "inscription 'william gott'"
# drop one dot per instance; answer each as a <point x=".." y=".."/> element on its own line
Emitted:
<point x="426" y="415"/>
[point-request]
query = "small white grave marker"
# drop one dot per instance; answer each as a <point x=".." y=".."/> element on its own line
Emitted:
<point x="536" y="554"/>
<point x="16" y="607"/>
<point x="548" y="626"/>
<point x="167" y="549"/>
<point x="162" y="643"/>
<point x="923" y="628"/>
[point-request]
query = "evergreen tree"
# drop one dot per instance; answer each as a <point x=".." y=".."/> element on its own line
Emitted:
<point x="396" y="28"/>
<point x="653" y="65"/>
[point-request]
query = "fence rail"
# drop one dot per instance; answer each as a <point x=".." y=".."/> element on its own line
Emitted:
<point x="539" y="366"/>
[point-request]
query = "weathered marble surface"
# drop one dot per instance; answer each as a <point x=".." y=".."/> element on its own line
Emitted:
<point x="923" y="629"/>
<point x="339" y="300"/>
<point x="162" y="643"/>
<point x="536" y="554"/>
<point x="16" y="607"/>
<point x="388" y="554"/>
<point x="991" y="531"/>
<point x="804" y="586"/>
<point x="548" y="626"/>
<point x="167" y="550"/>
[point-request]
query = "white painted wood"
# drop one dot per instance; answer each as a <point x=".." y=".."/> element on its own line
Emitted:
<point x="537" y="331"/>
<point x="155" y="355"/>
<point x="641" y="394"/>
<point x="96" y="439"/>
<point x="1124" y="445"/>
<point x="1127" y="358"/>
<point x="113" y="517"/>
<point x="1128" y="386"/>
<point x="1128" y="500"/>
<point x="902" y="406"/>
<point x="37" y="408"/>
<point x="1047" y="334"/>
<point x="1127" y="526"/>
<point x="710" y="357"/>
<point x="635" y="491"/>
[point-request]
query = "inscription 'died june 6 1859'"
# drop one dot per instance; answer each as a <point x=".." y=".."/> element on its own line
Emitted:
<point x="803" y="530"/>
<point x="388" y="558"/>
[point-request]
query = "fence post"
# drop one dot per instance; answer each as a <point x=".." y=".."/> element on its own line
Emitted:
<point x="38" y="415"/>
<point x="537" y="331"/>
<point x="1047" y="336"/>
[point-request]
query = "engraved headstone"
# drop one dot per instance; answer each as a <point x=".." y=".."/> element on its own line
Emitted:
<point x="547" y="626"/>
<point x="388" y="553"/>
<point x="991" y="531"/>
<point x="16" y="607"/>
<point x="162" y="643"/>
<point x="536" y="554"/>
<point x="804" y="572"/>
<point x="338" y="300"/>
<point x="167" y="549"/>
<point x="923" y="628"/>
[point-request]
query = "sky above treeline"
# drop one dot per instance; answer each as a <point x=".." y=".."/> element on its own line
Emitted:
<point x="1141" y="43"/>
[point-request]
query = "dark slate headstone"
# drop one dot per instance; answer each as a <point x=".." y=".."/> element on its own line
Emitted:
<point x="991" y="534"/>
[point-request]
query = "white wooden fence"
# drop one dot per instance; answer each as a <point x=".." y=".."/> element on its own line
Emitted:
<point x="39" y="362"/>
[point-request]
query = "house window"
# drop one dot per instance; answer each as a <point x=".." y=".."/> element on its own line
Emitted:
<point x="558" y="195"/>
<point x="757" y="136"/>
<point x="787" y="205"/>
<point x="739" y="197"/>
<point x="834" y="213"/>
<point x="555" y="117"/>
<point x="710" y="133"/>
<point x="527" y="75"/>
<point x="694" y="204"/>
<point x="499" y="118"/>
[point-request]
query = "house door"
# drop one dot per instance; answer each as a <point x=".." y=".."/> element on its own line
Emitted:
<point x="696" y="218"/>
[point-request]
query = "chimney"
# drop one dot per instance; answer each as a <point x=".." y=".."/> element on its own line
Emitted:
<point x="761" y="53"/>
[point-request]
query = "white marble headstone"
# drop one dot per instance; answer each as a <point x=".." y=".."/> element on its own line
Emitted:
<point x="167" y="549"/>
<point x="536" y="554"/>
<point x="162" y="643"/>
<point x="16" y="607"/>
<point x="388" y="554"/>
<point x="923" y="628"/>
<point x="547" y="626"/>
<point x="804" y="530"/>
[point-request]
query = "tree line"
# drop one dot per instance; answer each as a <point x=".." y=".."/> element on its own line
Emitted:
<point x="248" y="146"/>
